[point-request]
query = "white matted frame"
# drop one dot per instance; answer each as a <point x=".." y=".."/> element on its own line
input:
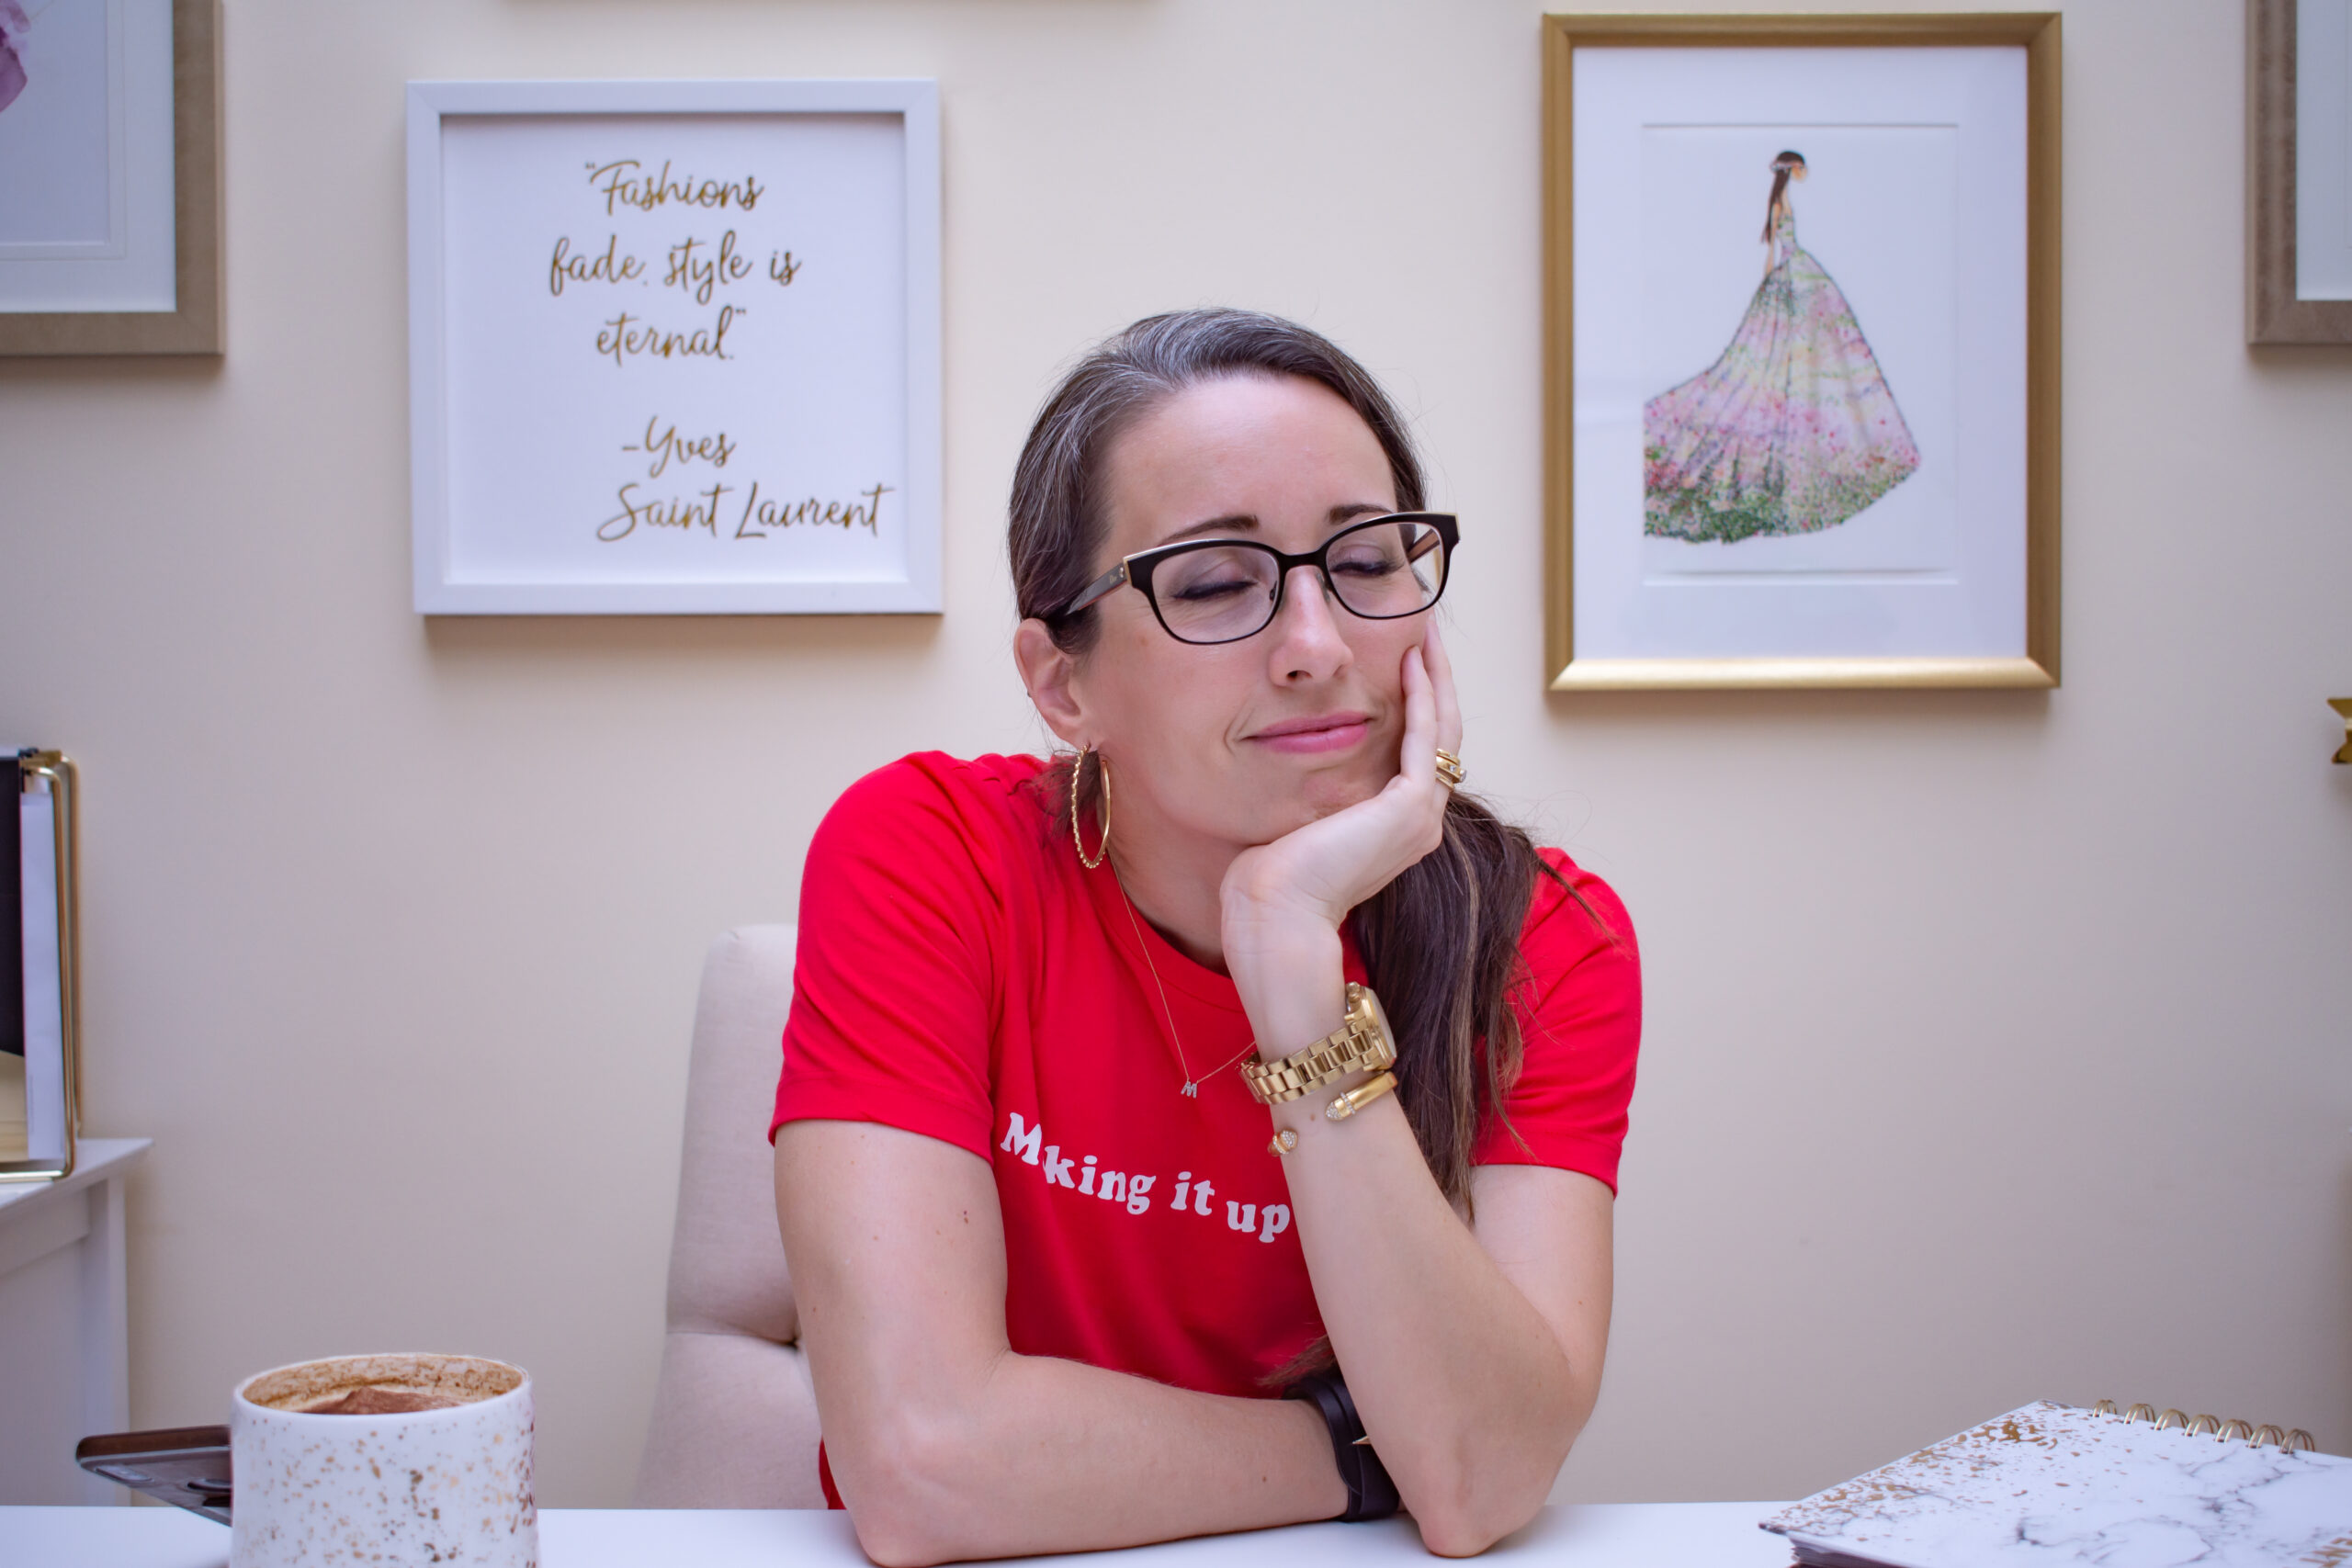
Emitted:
<point x="1950" y="579"/>
<point x="674" y="348"/>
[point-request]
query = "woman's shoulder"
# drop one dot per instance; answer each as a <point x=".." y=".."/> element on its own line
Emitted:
<point x="960" y="833"/>
<point x="1582" y="1001"/>
<point x="1573" y="917"/>
<point x="1580" y="1017"/>
<point x="925" y="793"/>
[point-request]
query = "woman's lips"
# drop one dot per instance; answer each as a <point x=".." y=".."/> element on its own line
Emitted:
<point x="1333" y="732"/>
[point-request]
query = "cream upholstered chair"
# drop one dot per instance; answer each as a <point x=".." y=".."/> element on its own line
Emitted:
<point x="734" y="1417"/>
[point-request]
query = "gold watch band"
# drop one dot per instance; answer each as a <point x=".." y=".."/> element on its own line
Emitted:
<point x="1361" y="1043"/>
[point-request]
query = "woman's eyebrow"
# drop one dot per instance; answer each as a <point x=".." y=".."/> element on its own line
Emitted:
<point x="1243" y="522"/>
<point x="1240" y="519"/>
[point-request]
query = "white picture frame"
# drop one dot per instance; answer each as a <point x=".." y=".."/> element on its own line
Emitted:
<point x="618" y="404"/>
<point x="1882" y="509"/>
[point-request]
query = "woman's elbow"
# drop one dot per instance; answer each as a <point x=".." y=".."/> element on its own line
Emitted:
<point x="893" y="1541"/>
<point x="902" y="1486"/>
<point x="894" y="1532"/>
<point x="1467" y="1527"/>
<point x="1483" y="1496"/>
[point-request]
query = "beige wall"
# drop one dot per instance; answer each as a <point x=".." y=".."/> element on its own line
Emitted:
<point x="1997" y="1041"/>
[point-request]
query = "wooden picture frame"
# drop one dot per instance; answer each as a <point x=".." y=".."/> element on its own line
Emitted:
<point x="194" y="324"/>
<point x="2275" y="312"/>
<point x="2028" y="493"/>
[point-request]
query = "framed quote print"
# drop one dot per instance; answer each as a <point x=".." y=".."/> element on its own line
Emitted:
<point x="1801" y="351"/>
<point x="674" y="348"/>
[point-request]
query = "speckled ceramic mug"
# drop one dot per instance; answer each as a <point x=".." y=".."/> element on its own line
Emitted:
<point x="393" y="1459"/>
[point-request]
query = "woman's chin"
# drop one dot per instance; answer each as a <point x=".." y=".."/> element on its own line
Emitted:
<point x="1321" y="797"/>
<point x="1273" y="819"/>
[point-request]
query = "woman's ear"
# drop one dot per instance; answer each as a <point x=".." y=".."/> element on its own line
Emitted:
<point x="1047" y="672"/>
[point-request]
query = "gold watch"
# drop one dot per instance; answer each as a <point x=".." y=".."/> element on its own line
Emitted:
<point x="1361" y="1043"/>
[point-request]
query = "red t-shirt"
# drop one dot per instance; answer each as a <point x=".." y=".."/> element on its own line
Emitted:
<point x="961" y="975"/>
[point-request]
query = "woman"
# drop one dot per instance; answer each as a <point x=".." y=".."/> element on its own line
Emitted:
<point x="1054" y="1256"/>
<point x="1793" y="429"/>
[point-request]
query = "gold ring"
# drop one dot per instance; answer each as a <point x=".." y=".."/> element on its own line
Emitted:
<point x="1450" y="769"/>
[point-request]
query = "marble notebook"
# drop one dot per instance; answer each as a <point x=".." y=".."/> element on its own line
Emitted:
<point x="2051" y="1484"/>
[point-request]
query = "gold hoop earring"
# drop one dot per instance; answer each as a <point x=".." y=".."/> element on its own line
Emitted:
<point x="1102" y="767"/>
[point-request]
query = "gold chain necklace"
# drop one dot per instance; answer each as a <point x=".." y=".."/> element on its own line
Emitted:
<point x="1192" y="1089"/>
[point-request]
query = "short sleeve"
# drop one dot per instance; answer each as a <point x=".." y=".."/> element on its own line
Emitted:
<point x="893" y="985"/>
<point x="1581" y="1022"/>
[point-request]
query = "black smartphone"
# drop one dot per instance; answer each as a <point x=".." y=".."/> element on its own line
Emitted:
<point x="186" y="1466"/>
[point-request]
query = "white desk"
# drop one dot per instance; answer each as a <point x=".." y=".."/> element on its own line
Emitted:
<point x="1588" y="1535"/>
<point x="64" y="1339"/>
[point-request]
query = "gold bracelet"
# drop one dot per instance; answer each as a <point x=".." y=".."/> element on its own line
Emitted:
<point x="1356" y="1099"/>
<point x="1339" y="1110"/>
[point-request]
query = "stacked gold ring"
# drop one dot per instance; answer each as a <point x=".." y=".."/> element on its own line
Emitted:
<point x="1450" y="770"/>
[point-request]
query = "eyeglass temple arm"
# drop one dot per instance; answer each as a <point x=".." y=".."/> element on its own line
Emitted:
<point x="1096" y="589"/>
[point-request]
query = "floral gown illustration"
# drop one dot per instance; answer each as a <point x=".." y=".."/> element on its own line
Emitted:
<point x="13" y="23"/>
<point x="1792" y="430"/>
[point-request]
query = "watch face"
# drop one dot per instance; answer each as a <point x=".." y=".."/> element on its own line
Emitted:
<point x="1377" y="1019"/>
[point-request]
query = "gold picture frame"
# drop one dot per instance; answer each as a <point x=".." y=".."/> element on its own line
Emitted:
<point x="2275" y="312"/>
<point x="2037" y="34"/>
<point x="194" y="325"/>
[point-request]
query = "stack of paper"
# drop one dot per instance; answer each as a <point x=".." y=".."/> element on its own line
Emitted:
<point x="2050" y="1484"/>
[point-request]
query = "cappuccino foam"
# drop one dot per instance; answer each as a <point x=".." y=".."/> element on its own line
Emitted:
<point x="383" y="1385"/>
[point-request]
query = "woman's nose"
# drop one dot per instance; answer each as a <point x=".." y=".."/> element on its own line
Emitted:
<point x="1308" y="640"/>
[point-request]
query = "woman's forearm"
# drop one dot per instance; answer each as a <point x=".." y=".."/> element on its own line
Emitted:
<point x="1464" y="1387"/>
<point x="946" y="1444"/>
<point x="1045" y="1455"/>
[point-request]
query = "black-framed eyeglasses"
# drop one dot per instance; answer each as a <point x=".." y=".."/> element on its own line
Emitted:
<point x="1212" y="591"/>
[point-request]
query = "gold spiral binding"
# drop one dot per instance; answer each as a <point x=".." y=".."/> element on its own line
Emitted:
<point x="2287" y="1439"/>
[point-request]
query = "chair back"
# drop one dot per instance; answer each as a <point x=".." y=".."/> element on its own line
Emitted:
<point x="734" y="1416"/>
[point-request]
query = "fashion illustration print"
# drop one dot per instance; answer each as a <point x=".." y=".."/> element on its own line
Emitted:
<point x="1793" y="429"/>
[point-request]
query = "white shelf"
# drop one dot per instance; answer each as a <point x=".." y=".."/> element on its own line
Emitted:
<point x="94" y="1160"/>
<point x="65" y="1334"/>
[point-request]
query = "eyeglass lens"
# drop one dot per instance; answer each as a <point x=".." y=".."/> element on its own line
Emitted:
<point x="1228" y="592"/>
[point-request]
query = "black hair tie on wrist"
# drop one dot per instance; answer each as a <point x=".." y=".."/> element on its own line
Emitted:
<point x="1371" y="1495"/>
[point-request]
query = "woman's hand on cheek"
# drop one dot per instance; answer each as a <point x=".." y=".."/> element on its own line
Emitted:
<point x="1285" y="899"/>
